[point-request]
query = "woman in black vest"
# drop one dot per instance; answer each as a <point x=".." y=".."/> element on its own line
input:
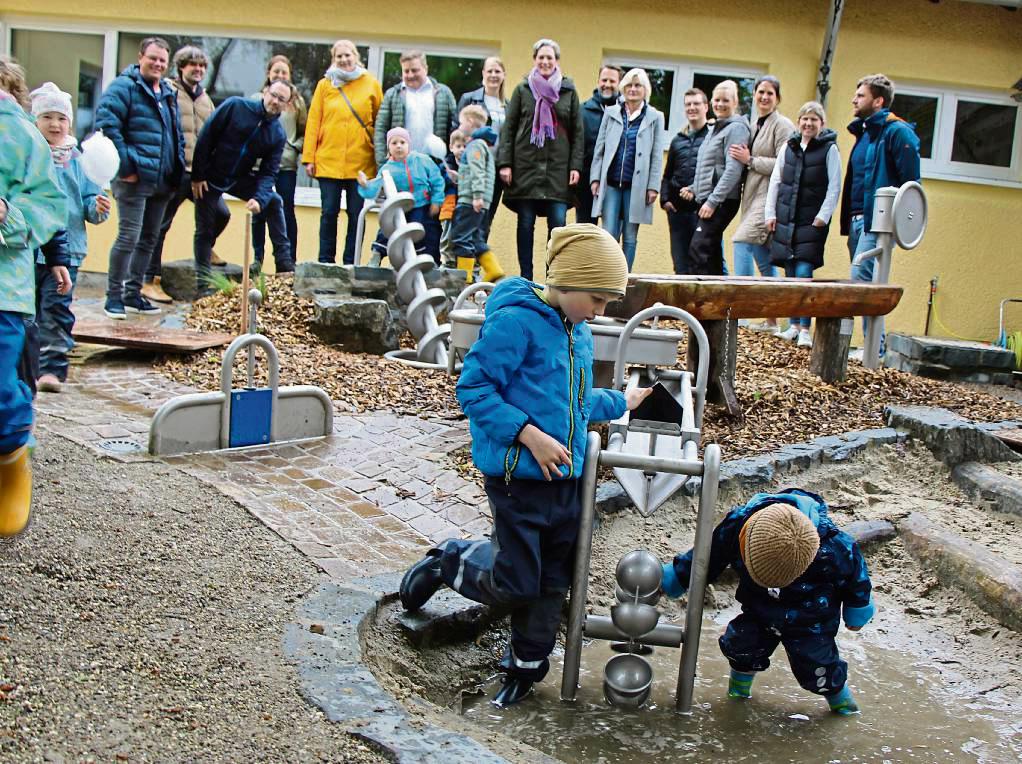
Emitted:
<point x="803" y="193"/>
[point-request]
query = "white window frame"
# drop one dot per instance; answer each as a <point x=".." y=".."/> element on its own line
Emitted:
<point x="378" y="47"/>
<point x="684" y="74"/>
<point x="940" y="166"/>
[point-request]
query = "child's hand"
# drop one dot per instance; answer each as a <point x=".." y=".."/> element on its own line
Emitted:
<point x="635" y="396"/>
<point x="477" y="205"/>
<point x="547" y="452"/>
<point x="63" y="279"/>
<point x="3" y="210"/>
<point x="434" y="210"/>
<point x="102" y="205"/>
<point x="362" y="179"/>
<point x="452" y="174"/>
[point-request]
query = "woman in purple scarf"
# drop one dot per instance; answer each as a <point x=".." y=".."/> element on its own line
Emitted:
<point x="541" y="148"/>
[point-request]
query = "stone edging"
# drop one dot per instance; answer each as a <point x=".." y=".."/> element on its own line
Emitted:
<point x="325" y="644"/>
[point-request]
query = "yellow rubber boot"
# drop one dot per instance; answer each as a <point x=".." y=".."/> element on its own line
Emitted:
<point x="491" y="267"/>
<point x="15" y="491"/>
<point x="467" y="264"/>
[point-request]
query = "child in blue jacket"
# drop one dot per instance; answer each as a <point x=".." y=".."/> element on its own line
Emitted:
<point x="526" y="387"/>
<point x="798" y="574"/>
<point x="412" y="172"/>
<point x="51" y="108"/>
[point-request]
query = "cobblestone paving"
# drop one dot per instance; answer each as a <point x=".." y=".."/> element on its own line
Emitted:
<point x="369" y="499"/>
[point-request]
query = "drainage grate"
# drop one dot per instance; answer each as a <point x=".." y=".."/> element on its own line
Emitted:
<point x="121" y="446"/>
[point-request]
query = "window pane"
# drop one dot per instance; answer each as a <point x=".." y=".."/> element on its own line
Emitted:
<point x="921" y="112"/>
<point x="662" y="81"/>
<point x="78" y="69"/>
<point x="459" y="73"/>
<point x="984" y="133"/>
<point x="707" y="82"/>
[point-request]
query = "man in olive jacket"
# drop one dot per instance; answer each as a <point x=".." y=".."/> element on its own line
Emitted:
<point x="418" y="103"/>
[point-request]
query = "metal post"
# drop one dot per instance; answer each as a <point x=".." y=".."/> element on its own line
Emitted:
<point x="697" y="578"/>
<point x="875" y="330"/>
<point x="580" y="576"/>
<point x="827" y="53"/>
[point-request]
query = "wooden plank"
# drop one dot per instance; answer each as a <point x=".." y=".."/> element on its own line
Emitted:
<point x="142" y="337"/>
<point x="717" y="297"/>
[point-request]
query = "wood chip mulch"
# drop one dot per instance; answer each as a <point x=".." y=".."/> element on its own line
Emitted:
<point x="782" y="401"/>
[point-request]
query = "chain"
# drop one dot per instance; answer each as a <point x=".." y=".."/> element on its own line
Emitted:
<point x="727" y="346"/>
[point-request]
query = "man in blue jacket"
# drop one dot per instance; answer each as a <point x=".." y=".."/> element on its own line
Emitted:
<point x="886" y="153"/>
<point x="138" y="112"/>
<point x="238" y="153"/>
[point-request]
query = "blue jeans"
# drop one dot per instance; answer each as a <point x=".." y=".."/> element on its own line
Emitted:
<point x="330" y="190"/>
<point x="140" y="210"/>
<point x="682" y="225"/>
<point x="615" y="220"/>
<point x="859" y="241"/>
<point x="15" y="396"/>
<point x="528" y="211"/>
<point x="55" y="320"/>
<point x="287" y="181"/>
<point x="746" y="254"/>
<point x="799" y="269"/>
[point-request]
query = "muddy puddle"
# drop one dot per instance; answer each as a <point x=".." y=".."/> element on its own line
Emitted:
<point x="938" y="679"/>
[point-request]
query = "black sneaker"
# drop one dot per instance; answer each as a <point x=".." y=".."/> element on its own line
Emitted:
<point x="114" y="309"/>
<point x="139" y="304"/>
<point x="513" y="690"/>
<point x="420" y="582"/>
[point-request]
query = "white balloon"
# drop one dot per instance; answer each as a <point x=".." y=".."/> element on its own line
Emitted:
<point x="100" y="160"/>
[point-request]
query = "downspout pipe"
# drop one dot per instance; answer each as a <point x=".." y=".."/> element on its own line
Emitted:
<point x="829" y="46"/>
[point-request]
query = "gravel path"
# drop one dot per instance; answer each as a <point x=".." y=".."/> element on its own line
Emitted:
<point x="141" y="620"/>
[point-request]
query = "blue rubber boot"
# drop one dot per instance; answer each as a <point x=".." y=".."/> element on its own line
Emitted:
<point x="843" y="703"/>
<point x="740" y="685"/>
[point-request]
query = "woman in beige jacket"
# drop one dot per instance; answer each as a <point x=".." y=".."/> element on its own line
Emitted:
<point x="770" y="134"/>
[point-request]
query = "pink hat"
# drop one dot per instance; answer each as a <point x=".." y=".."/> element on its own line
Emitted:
<point x="401" y="132"/>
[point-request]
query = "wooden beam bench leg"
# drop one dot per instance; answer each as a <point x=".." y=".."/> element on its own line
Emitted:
<point x="829" y="358"/>
<point x="720" y="386"/>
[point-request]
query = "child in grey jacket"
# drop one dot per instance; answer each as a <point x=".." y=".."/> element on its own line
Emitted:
<point x="475" y="192"/>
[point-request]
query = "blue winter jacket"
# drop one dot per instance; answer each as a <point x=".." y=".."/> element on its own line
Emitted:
<point x="418" y="174"/>
<point x="239" y="134"/>
<point x="81" y="196"/>
<point x="837" y="579"/>
<point x="141" y="124"/>
<point x="529" y="366"/>
<point x="892" y="159"/>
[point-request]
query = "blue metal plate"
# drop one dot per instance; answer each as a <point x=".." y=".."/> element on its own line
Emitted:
<point x="251" y="411"/>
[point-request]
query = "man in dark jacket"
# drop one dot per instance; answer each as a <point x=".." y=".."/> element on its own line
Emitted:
<point x="139" y="113"/>
<point x="242" y="132"/>
<point x="679" y="173"/>
<point x="604" y="94"/>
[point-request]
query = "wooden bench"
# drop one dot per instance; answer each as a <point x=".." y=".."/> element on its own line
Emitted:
<point x="718" y="301"/>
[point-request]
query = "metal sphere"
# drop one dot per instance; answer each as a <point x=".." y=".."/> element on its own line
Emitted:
<point x="639" y="570"/>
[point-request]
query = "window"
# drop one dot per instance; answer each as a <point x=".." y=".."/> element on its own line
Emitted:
<point x="963" y="135"/>
<point x="78" y="70"/>
<point x="460" y="73"/>
<point x="671" y="80"/>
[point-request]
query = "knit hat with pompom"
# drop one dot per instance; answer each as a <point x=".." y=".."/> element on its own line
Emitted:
<point x="778" y="544"/>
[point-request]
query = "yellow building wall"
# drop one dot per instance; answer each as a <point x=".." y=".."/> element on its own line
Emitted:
<point x="975" y="234"/>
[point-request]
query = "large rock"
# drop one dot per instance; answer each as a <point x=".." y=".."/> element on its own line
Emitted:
<point x="178" y="277"/>
<point x="322" y="278"/>
<point x="381" y="284"/>
<point x="951" y="438"/>
<point x="990" y="580"/>
<point x="356" y="324"/>
<point x="952" y="354"/>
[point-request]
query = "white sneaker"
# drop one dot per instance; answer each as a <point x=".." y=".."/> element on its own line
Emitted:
<point x="805" y="340"/>
<point x="789" y="335"/>
<point x="764" y="326"/>
<point x="855" y="354"/>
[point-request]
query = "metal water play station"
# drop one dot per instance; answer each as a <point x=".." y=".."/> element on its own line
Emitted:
<point x="250" y="416"/>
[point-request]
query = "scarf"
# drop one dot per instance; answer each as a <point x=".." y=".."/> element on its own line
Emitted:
<point x="339" y="77"/>
<point x="546" y="91"/>
<point x="62" y="154"/>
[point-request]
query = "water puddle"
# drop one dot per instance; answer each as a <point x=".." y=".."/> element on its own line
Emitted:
<point x="907" y="715"/>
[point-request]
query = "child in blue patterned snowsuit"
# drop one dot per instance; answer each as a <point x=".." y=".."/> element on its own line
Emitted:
<point x="798" y="574"/>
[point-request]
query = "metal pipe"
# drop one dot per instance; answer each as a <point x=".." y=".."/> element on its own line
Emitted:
<point x="651" y="463"/>
<point x="827" y="53"/>
<point x="697" y="578"/>
<point x="875" y="330"/>
<point x="663" y="635"/>
<point x="929" y="306"/>
<point x="580" y="575"/>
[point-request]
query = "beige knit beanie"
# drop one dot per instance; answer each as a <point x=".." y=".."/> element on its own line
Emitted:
<point x="778" y="544"/>
<point x="583" y="256"/>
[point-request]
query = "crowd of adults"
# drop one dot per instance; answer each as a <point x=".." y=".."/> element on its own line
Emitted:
<point x="604" y="156"/>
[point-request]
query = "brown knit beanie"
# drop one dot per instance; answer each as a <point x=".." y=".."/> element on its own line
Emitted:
<point x="778" y="544"/>
<point x="584" y="257"/>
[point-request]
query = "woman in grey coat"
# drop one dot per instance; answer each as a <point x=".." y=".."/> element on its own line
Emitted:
<point x="717" y="187"/>
<point x="627" y="160"/>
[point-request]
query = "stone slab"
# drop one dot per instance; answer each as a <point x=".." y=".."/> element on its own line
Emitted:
<point x="952" y="439"/>
<point x="973" y="374"/>
<point x="987" y="484"/>
<point x="954" y="354"/>
<point x="449" y="614"/>
<point x="992" y="582"/>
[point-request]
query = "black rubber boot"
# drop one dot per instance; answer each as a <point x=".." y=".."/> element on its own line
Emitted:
<point x="420" y="582"/>
<point x="514" y="690"/>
